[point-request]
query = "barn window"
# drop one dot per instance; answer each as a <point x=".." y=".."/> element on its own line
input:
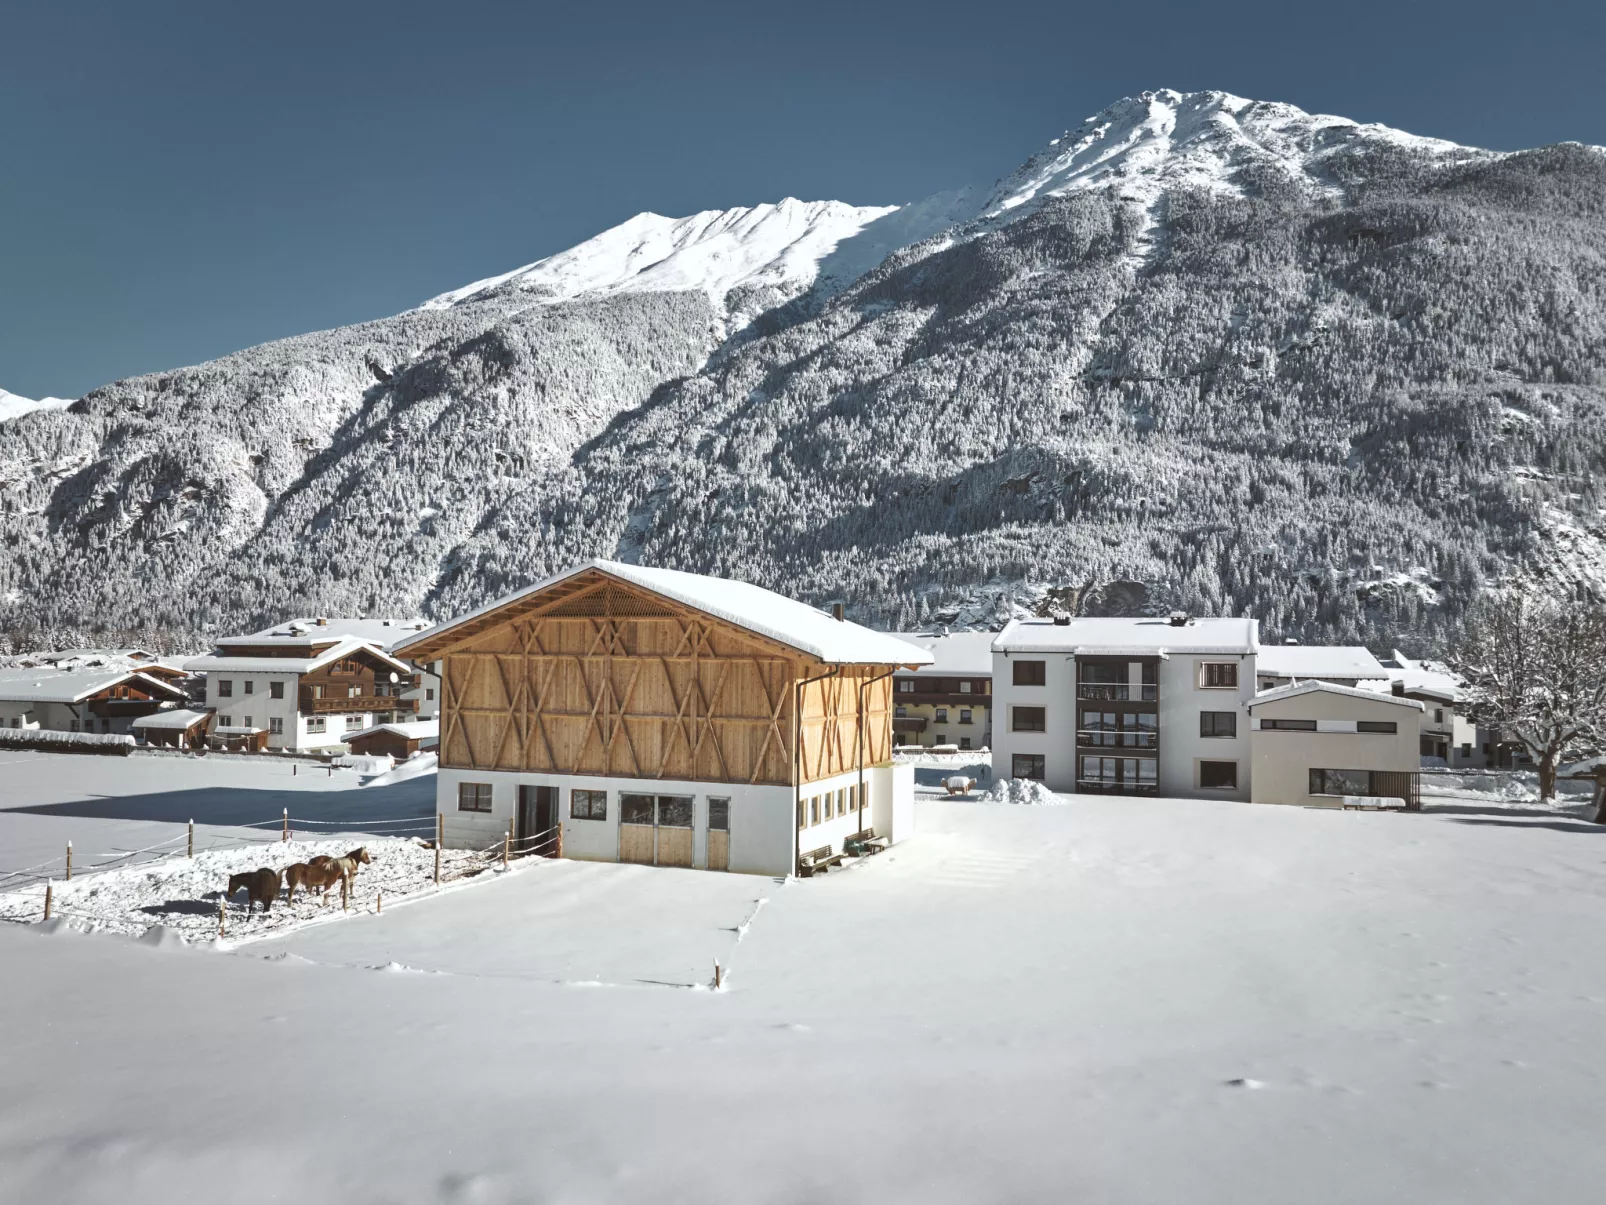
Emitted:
<point x="473" y="796"/>
<point x="588" y="805"/>
<point x="719" y="814"/>
<point x="635" y="809"/>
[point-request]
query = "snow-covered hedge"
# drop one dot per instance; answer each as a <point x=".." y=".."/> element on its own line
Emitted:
<point x="49" y="741"/>
<point x="1020" y="790"/>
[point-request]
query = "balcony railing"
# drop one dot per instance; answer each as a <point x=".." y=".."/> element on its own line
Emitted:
<point x="1112" y="786"/>
<point x="1110" y="692"/>
<point x="330" y="706"/>
<point x="1100" y="738"/>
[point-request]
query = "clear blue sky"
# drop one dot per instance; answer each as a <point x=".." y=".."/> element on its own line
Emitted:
<point x="181" y="180"/>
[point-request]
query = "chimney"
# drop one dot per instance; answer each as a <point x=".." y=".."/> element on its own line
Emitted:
<point x="1179" y="619"/>
<point x="838" y="612"/>
<point x="323" y="621"/>
<point x="1397" y="686"/>
<point x="1062" y="620"/>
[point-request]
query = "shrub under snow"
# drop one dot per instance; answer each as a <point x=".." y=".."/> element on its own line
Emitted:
<point x="1020" y="790"/>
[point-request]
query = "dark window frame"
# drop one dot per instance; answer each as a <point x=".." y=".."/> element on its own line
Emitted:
<point x="587" y="804"/>
<point x="1030" y="673"/>
<point x="1321" y="784"/>
<point x="1381" y="727"/>
<point x="474" y="797"/>
<point x="275" y="690"/>
<point x="1216" y="766"/>
<point x="1211" y="726"/>
<point x="1036" y="766"/>
<point x="1288" y="725"/>
<point x="1218" y="670"/>
<point x="1016" y="718"/>
<point x="225" y="688"/>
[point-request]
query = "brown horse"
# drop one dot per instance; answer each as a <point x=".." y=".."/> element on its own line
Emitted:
<point x="295" y="875"/>
<point x="261" y="887"/>
<point x="324" y="871"/>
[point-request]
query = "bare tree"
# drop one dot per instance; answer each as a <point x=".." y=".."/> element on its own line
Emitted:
<point x="1536" y="670"/>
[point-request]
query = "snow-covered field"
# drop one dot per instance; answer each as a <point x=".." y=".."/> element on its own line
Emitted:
<point x="1112" y="1000"/>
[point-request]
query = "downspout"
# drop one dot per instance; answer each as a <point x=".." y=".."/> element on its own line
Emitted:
<point x="797" y="762"/>
<point x="863" y="686"/>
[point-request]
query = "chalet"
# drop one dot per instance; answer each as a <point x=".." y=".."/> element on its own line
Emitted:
<point x="1116" y="706"/>
<point x="950" y="701"/>
<point x="82" y="698"/>
<point x="1343" y="665"/>
<point x="1318" y="744"/>
<point x="399" y="740"/>
<point x="667" y="718"/>
<point x="307" y="684"/>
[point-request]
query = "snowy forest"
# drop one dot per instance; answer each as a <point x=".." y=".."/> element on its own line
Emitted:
<point x="1342" y="414"/>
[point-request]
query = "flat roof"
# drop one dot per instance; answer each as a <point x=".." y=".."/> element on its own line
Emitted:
<point x="179" y="717"/>
<point x="954" y="652"/>
<point x="742" y="604"/>
<point x="417" y="730"/>
<point x="1332" y="688"/>
<point x="306" y="631"/>
<point x="1318" y="661"/>
<point x="1143" y="637"/>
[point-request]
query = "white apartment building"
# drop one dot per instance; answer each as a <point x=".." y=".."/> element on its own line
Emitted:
<point x="1126" y="706"/>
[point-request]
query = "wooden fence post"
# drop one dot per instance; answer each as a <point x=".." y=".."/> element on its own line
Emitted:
<point x="190" y="850"/>
<point x="718" y="975"/>
<point x="440" y="833"/>
<point x="379" y="903"/>
<point x="221" y="904"/>
<point x="69" y="861"/>
<point x="286" y="824"/>
<point x="507" y="842"/>
<point x="49" y="886"/>
<point x="557" y="849"/>
<point x="345" y="894"/>
<point x="294" y="767"/>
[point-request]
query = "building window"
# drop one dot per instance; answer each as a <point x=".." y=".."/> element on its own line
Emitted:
<point x="473" y="796"/>
<point x="1466" y="750"/>
<point x="1028" y="719"/>
<point x="1218" y="775"/>
<point x="1030" y="673"/>
<point x="1438" y="715"/>
<point x="275" y="690"/>
<point x="225" y="688"/>
<point x="938" y="738"/>
<point x="814" y="809"/>
<point x="1288" y="725"/>
<point x="719" y="814"/>
<point x="964" y="716"/>
<point x="317" y="692"/>
<point x="276" y="726"/>
<point x="964" y="688"/>
<point x="1218" y="675"/>
<point x="429" y="694"/>
<point x="250" y="686"/>
<point x="588" y="805"/>
<point x="248" y="723"/>
<point x="1388" y="726"/>
<point x="802" y="814"/>
<point x="906" y="685"/>
<point x="964" y="742"/>
<point x="1027" y="765"/>
<point x="317" y="723"/>
<point x="900" y="712"/>
<point x="1341" y="782"/>
<point x="942" y="715"/>
<point x="1218" y="723"/>
<point x="353" y="692"/>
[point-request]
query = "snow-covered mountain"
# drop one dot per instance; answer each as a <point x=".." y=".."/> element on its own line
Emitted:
<point x="14" y="405"/>
<point x="1200" y="351"/>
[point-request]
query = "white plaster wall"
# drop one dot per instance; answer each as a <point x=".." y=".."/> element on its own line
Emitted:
<point x="1057" y="697"/>
<point x="1284" y="759"/>
<point x="761" y="831"/>
<point x="1181" y="746"/>
<point x="892" y="800"/>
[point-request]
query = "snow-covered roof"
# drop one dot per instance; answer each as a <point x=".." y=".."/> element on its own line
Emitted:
<point x="1318" y="661"/>
<point x="761" y="611"/>
<point x="302" y="632"/>
<point x="235" y="730"/>
<point x="1129" y="637"/>
<point x="954" y="652"/>
<point x="1331" y="688"/>
<point x="41" y="684"/>
<point x="1423" y="677"/>
<point x="213" y="663"/>
<point x="179" y="717"/>
<point x="413" y="730"/>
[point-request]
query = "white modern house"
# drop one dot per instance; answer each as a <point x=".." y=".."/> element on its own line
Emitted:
<point x="1447" y="735"/>
<point x="1126" y="706"/>
<point x="1319" y="744"/>
<point x="1342" y="665"/>
<point x="667" y="718"/>
<point x="308" y="683"/>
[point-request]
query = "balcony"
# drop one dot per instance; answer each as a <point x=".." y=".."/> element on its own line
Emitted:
<point x="1100" y="738"/>
<point x="308" y="705"/>
<point x="1102" y="692"/>
<point x="909" y="723"/>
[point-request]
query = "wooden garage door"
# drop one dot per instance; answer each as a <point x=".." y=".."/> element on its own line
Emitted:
<point x="655" y="829"/>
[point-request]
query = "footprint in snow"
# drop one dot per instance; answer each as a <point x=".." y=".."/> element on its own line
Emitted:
<point x="1246" y="1083"/>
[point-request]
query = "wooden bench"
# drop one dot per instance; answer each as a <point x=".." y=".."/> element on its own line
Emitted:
<point x="821" y="859"/>
<point x="863" y="843"/>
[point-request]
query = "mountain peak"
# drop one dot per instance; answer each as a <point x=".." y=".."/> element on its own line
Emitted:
<point x="1163" y="139"/>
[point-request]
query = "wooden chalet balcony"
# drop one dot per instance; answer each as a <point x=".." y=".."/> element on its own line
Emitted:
<point x="944" y="698"/>
<point x="329" y="706"/>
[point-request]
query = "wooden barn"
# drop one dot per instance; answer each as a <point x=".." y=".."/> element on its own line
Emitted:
<point x="666" y="718"/>
<point x="400" y="741"/>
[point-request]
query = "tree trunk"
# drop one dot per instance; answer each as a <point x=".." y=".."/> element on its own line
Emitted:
<point x="1547" y="775"/>
<point x="1600" y="796"/>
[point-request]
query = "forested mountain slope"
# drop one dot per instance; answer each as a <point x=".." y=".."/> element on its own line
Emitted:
<point x="1200" y="352"/>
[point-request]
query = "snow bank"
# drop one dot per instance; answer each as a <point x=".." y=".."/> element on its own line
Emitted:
<point x="49" y="741"/>
<point x="181" y="895"/>
<point x="1020" y="790"/>
<point x="416" y="765"/>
